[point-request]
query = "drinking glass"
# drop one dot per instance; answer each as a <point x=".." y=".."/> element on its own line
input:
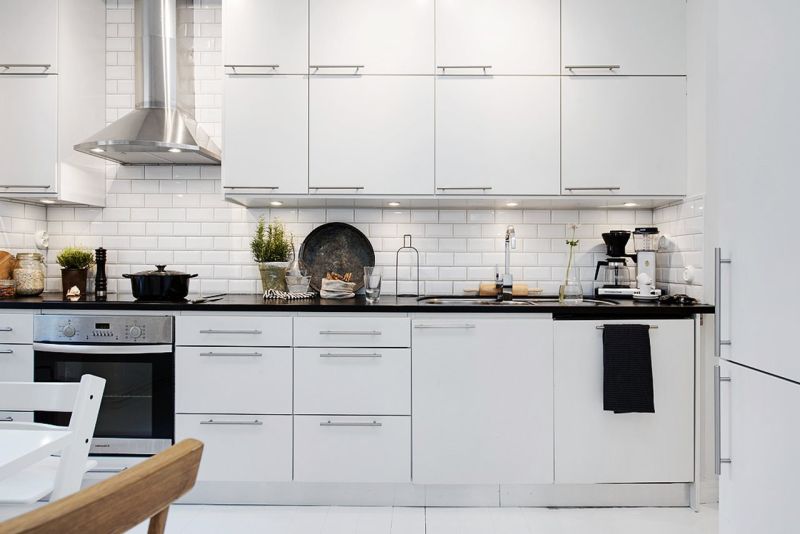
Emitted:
<point x="372" y="283"/>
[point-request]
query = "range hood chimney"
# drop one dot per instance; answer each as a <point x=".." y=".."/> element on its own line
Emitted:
<point x="156" y="132"/>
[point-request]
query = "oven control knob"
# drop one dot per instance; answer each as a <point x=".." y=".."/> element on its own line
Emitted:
<point x="135" y="332"/>
<point x="68" y="331"/>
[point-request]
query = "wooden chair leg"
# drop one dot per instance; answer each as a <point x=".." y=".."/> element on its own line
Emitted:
<point x="158" y="522"/>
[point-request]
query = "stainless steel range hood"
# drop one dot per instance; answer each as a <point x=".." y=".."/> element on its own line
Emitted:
<point x="156" y="132"/>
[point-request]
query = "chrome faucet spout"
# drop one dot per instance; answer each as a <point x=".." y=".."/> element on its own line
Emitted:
<point x="508" y="279"/>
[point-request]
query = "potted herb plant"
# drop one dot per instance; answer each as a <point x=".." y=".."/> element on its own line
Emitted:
<point x="271" y="247"/>
<point x="75" y="263"/>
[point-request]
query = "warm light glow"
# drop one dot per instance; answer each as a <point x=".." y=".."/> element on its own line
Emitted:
<point x="48" y="201"/>
<point x="394" y="204"/>
<point x="512" y="204"/>
<point x="276" y="203"/>
<point x="96" y="150"/>
<point x="174" y="150"/>
<point x="630" y="204"/>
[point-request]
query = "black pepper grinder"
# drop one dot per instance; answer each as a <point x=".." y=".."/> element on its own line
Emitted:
<point x="100" y="280"/>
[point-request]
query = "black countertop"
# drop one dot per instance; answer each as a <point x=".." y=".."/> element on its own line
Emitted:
<point x="254" y="303"/>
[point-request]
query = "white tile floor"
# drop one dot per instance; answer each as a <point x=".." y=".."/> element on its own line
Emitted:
<point x="185" y="519"/>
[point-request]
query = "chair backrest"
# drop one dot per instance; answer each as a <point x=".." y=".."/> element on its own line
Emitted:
<point x="121" y="502"/>
<point x="82" y="399"/>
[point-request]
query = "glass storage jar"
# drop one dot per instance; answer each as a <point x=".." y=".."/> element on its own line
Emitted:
<point x="29" y="273"/>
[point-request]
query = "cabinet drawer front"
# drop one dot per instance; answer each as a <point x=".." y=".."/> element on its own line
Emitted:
<point x="352" y="449"/>
<point x="348" y="381"/>
<point x="16" y="363"/>
<point x="234" y="331"/>
<point x="233" y="380"/>
<point x="241" y="448"/>
<point x="16" y="417"/>
<point x="352" y="331"/>
<point x="16" y="328"/>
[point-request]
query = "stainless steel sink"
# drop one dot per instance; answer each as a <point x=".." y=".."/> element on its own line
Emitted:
<point x="488" y="301"/>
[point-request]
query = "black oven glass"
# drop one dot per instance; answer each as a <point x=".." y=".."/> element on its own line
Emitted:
<point x="138" y="401"/>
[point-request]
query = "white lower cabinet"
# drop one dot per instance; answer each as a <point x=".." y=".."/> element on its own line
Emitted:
<point x="233" y="380"/>
<point x="482" y="391"/>
<point x="240" y="448"/>
<point x="352" y="381"/>
<point x="374" y="449"/>
<point x="595" y="446"/>
<point x="16" y="363"/>
<point x="16" y="417"/>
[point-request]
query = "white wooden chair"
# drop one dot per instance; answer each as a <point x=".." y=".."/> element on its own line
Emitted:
<point x="56" y="476"/>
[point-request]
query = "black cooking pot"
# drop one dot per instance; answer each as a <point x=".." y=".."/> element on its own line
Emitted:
<point x="159" y="284"/>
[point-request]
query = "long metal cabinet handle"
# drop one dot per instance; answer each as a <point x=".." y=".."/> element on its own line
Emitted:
<point x="317" y="67"/>
<point x="481" y="188"/>
<point x="339" y="188"/>
<point x="235" y="73"/>
<point x="718" y="341"/>
<point x="6" y="329"/>
<point x="332" y="423"/>
<point x="255" y="422"/>
<point x="578" y="67"/>
<point x="718" y="459"/>
<point x="599" y="188"/>
<point x="7" y="351"/>
<point x="107" y="470"/>
<point x="6" y="419"/>
<point x="270" y="187"/>
<point x="445" y="326"/>
<point x="353" y="355"/>
<point x="25" y="186"/>
<point x="45" y="66"/>
<point x="652" y="327"/>
<point x="350" y="332"/>
<point x="444" y="68"/>
<point x="212" y="331"/>
<point x="231" y="354"/>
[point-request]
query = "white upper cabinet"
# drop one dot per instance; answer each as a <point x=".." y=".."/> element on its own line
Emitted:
<point x="378" y="37"/>
<point x="497" y="135"/>
<point x="623" y="135"/>
<point x="29" y="36"/>
<point x="506" y="36"/>
<point x="635" y="37"/>
<point x="265" y="128"/>
<point x="29" y="111"/>
<point x="371" y="135"/>
<point x="260" y="34"/>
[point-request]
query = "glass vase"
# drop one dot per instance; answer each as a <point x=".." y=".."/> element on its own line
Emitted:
<point x="273" y="275"/>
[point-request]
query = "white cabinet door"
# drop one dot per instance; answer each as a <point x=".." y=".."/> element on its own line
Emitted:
<point x="511" y="36"/>
<point x="640" y="37"/>
<point x="385" y="37"/>
<point x="352" y="449"/>
<point x="365" y="330"/>
<point x="623" y="136"/>
<point x="241" y="448"/>
<point x="594" y="446"/>
<point x="233" y="330"/>
<point x="497" y="132"/>
<point x="266" y="32"/>
<point x="371" y="135"/>
<point x="16" y="363"/>
<point x="16" y="328"/>
<point x="29" y="111"/>
<point x="761" y="436"/>
<point x="482" y="400"/>
<point x="265" y="128"/>
<point x="29" y="35"/>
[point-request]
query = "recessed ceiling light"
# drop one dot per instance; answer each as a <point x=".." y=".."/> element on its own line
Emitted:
<point x="276" y="203"/>
<point x="174" y="150"/>
<point x="45" y="201"/>
<point x="512" y="204"/>
<point x="393" y="204"/>
<point x="96" y="150"/>
<point x="630" y="204"/>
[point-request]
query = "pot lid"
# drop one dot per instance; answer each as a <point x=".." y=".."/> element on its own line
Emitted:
<point x="160" y="271"/>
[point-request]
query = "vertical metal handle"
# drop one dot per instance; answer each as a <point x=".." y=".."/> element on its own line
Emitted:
<point x="718" y="341"/>
<point x="718" y="459"/>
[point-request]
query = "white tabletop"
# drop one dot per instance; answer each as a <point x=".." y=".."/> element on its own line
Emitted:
<point x="22" y="448"/>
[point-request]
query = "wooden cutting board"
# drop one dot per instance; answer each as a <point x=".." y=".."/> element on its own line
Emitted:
<point x="7" y="263"/>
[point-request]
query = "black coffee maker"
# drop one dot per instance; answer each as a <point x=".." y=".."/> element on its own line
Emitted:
<point x="617" y="277"/>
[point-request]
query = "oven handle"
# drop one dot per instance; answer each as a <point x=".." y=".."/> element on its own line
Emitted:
<point x="102" y="349"/>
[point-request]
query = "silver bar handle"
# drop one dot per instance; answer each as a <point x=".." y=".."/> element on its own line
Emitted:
<point x="235" y="73"/>
<point x="318" y="67"/>
<point x="231" y="354"/>
<point x="605" y="67"/>
<point x="339" y="188"/>
<point x="255" y="422"/>
<point x="350" y="332"/>
<point x="270" y="187"/>
<point x="212" y="331"/>
<point x="6" y="329"/>
<point x="445" y="326"/>
<point x="444" y="68"/>
<point x="107" y="470"/>
<point x="7" y="419"/>
<point x="45" y="66"/>
<point x="718" y="459"/>
<point x="332" y="423"/>
<point x="652" y="327"/>
<point x="24" y="186"/>
<point x="718" y="341"/>
<point x="353" y="355"/>
<point x="479" y="188"/>
<point x="599" y="188"/>
<point x="7" y="351"/>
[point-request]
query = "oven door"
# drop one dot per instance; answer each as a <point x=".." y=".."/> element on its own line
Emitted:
<point x="137" y="415"/>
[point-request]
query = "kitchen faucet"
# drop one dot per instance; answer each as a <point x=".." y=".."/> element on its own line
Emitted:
<point x="505" y="284"/>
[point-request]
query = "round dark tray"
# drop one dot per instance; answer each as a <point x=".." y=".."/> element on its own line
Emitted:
<point x="336" y="247"/>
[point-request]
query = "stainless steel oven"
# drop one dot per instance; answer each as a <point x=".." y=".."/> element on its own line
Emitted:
<point x="135" y="355"/>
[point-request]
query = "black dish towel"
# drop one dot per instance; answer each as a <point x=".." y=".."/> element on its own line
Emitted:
<point x="627" y="369"/>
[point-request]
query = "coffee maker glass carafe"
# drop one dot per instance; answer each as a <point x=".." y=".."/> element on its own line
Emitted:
<point x="616" y="272"/>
